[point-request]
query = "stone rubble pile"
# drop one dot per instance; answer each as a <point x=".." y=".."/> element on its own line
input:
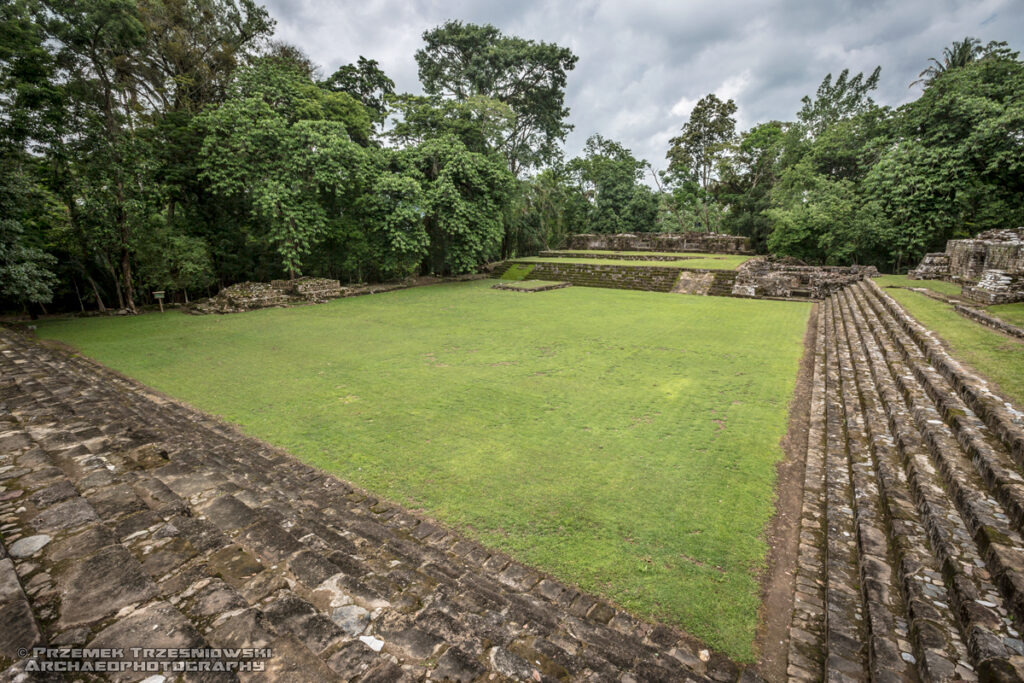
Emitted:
<point x="785" y="277"/>
<point x="250" y="296"/>
<point x="996" y="287"/>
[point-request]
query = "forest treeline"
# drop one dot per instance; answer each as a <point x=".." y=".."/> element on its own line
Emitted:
<point x="174" y="145"/>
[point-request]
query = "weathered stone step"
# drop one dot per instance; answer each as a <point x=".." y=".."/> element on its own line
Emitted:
<point x="1005" y="421"/>
<point x="937" y="647"/>
<point x="886" y="625"/>
<point x="806" y="633"/>
<point x="976" y="600"/>
<point x="998" y="541"/>
<point x="987" y="452"/>
<point x="846" y="633"/>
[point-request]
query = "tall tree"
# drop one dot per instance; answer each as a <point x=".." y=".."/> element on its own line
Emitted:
<point x="956" y="164"/>
<point x="960" y="54"/>
<point x="460" y="61"/>
<point x="835" y="101"/>
<point x="703" y="143"/>
<point x="100" y="42"/>
<point x="366" y="82"/>
<point x="748" y="178"/>
<point x="609" y="178"/>
<point x="283" y="144"/>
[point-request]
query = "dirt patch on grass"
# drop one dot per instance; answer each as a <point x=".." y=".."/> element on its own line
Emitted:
<point x="783" y="537"/>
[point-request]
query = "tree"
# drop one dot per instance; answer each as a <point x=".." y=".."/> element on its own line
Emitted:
<point x="960" y="54"/>
<point x="480" y="123"/>
<point x="704" y="142"/>
<point x="26" y="270"/>
<point x="461" y="61"/>
<point x="609" y="178"/>
<point x="834" y="102"/>
<point x="366" y="82"/>
<point x="193" y="47"/>
<point x="99" y="43"/>
<point x="747" y="179"/>
<point x="956" y="164"/>
<point x="284" y="145"/>
<point x="464" y="194"/>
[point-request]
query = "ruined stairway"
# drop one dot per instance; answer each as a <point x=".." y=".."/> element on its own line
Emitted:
<point x="129" y="519"/>
<point x="911" y="556"/>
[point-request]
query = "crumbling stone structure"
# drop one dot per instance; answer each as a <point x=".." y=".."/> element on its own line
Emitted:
<point x="996" y="287"/>
<point x="965" y="261"/>
<point x="990" y="266"/>
<point x="249" y="296"/>
<point x="784" y="277"/>
<point x="990" y="250"/>
<point x="710" y="242"/>
<point x="932" y="267"/>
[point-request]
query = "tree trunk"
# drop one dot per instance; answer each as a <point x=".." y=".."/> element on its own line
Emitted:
<point x="126" y="260"/>
<point x="78" y="294"/>
<point x="126" y="275"/>
<point x="96" y="292"/>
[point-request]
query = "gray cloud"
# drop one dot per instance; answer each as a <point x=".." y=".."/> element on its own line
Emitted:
<point x="644" y="63"/>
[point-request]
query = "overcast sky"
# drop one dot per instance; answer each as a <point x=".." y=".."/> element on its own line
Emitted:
<point x="643" y="64"/>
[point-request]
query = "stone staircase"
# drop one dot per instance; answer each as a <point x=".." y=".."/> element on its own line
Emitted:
<point x="911" y="560"/>
<point x="127" y="519"/>
<point x="722" y="283"/>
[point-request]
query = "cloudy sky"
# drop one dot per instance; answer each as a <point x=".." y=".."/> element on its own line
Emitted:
<point x="644" y="63"/>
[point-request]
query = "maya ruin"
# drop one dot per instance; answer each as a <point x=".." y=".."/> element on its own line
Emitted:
<point x="315" y="367"/>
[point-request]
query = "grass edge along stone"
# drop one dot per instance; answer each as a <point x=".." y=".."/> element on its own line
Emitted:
<point x="991" y="354"/>
<point x="622" y="441"/>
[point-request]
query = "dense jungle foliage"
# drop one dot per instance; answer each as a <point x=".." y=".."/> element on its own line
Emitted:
<point x="174" y="145"/>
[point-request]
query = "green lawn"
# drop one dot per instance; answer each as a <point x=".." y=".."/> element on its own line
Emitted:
<point x="939" y="286"/>
<point x="623" y="441"/>
<point x="713" y="262"/>
<point x="1011" y="313"/>
<point x="996" y="356"/>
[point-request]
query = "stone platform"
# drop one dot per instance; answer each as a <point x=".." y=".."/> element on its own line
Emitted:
<point x="128" y="519"/>
<point x="711" y="242"/>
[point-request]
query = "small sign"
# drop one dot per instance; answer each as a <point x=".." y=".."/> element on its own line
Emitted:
<point x="158" y="295"/>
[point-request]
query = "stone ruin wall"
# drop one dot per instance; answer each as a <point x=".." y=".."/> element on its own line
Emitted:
<point x="768" y="276"/>
<point x="651" y="279"/>
<point x="965" y="261"/>
<point x="709" y="242"/>
<point x="990" y="266"/>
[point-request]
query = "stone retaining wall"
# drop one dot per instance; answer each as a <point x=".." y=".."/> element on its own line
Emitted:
<point x="613" y="255"/>
<point x="662" y="241"/>
<point x="986" y="319"/>
<point x="647" y="278"/>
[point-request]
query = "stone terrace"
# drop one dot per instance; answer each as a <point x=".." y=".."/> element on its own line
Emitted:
<point x="911" y="561"/>
<point x="130" y="520"/>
